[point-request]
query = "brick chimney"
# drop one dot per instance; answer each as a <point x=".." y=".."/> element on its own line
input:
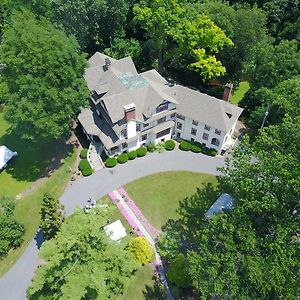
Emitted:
<point x="107" y="64"/>
<point x="227" y="91"/>
<point x="129" y="111"/>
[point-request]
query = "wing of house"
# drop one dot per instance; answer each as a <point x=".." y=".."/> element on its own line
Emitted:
<point x="130" y="109"/>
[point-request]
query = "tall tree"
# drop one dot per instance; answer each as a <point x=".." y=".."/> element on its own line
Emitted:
<point x="177" y="29"/>
<point x="51" y="216"/>
<point x="82" y="262"/>
<point x="43" y="74"/>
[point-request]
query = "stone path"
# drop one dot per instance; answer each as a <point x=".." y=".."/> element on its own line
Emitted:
<point x="141" y="227"/>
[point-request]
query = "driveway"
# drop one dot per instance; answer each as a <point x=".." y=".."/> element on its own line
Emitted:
<point x="104" y="181"/>
<point x="14" y="283"/>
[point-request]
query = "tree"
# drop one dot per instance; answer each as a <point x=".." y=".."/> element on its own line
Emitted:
<point x="11" y="231"/>
<point x="51" y="216"/>
<point x="179" y="30"/>
<point x="82" y="262"/>
<point x="93" y="23"/>
<point x="177" y="272"/>
<point x="141" y="250"/>
<point x="43" y="77"/>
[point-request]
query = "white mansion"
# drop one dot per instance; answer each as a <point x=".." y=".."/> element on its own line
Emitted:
<point x="129" y="110"/>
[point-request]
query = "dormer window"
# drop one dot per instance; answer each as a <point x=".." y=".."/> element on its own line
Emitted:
<point x="229" y="115"/>
<point x="217" y="131"/>
<point x="162" y="107"/>
<point x="123" y="133"/>
<point x="206" y="127"/>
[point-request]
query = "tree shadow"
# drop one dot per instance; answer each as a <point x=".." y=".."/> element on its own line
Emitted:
<point x="155" y="292"/>
<point x="35" y="159"/>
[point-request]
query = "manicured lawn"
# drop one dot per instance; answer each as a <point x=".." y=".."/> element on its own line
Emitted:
<point x="143" y="286"/>
<point x="31" y="162"/>
<point x="240" y="92"/>
<point x="27" y="208"/>
<point x="158" y="195"/>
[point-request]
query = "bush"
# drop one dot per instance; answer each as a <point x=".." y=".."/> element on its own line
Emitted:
<point x="169" y="145"/>
<point x="111" y="162"/>
<point x="195" y="149"/>
<point x="213" y="152"/>
<point x="85" y="167"/>
<point x="185" y="146"/>
<point x="142" y="151"/>
<point x="151" y="147"/>
<point x="141" y="250"/>
<point x="123" y="158"/>
<point x="83" y="153"/>
<point x="132" y="155"/>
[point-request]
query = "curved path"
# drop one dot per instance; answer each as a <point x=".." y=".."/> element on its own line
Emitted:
<point x="104" y="181"/>
<point x="14" y="283"/>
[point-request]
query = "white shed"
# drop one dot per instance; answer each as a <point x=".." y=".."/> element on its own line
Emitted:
<point x="115" y="230"/>
<point x="225" y="201"/>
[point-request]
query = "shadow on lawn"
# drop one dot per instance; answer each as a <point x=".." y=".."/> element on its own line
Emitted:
<point x="155" y="292"/>
<point x="35" y="159"/>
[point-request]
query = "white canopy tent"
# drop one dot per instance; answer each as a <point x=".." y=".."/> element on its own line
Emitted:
<point x="5" y="156"/>
<point x="225" y="201"/>
<point x="115" y="231"/>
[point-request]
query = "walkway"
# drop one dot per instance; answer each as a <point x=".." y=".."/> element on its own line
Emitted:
<point x="151" y="242"/>
<point x="103" y="181"/>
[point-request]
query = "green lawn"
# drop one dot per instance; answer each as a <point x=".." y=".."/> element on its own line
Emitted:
<point x="31" y="162"/>
<point x="240" y="92"/>
<point x="158" y="195"/>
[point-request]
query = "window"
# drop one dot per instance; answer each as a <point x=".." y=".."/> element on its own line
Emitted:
<point x="217" y="131"/>
<point x="98" y="112"/>
<point x="179" y="125"/>
<point x="192" y="140"/>
<point x="205" y="136"/>
<point x="206" y="127"/>
<point x="195" y="123"/>
<point x="173" y="115"/>
<point x="161" y="108"/>
<point x="193" y="131"/>
<point x="161" y="120"/>
<point x="178" y="135"/>
<point x="181" y="117"/>
<point x="146" y="125"/>
<point x="138" y="127"/>
<point x="215" y="142"/>
<point x="114" y="149"/>
<point x="162" y="133"/>
<point x="144" y="137"/>
<point x="123" y="133"/>
<point x="124" y="145"/>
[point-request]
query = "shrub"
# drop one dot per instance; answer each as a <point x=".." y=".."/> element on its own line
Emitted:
<point x="205" y="150"/>
<point x="85" y="167"/>
<point x="195" y="149"/>
<point x="169" y="145"/>
<point x="213" y="152"/>
<point x="111" y="162"/>
<point x="141" y="250"/>
<point x="132" y="155"/>
<point x="160" y="147"/>
<point x="142" y="151"/>
<point x="83" y="153"/>
<point x="185" y="145"/>
<point x="151" y="147"/>
<point x="123" y="158"/>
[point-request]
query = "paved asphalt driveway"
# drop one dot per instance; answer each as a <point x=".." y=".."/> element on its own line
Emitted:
<point x="14" y="283"/>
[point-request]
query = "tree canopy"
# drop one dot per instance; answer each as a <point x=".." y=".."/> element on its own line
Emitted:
<point x="82" y="262"/>
<point x="42" y="75"/>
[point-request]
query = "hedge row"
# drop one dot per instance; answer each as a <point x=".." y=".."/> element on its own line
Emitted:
<point x="85" y="167"/>
<point x="169" y="145"/>
<point x="83" y="153"/>
<point x="196" y="147"/>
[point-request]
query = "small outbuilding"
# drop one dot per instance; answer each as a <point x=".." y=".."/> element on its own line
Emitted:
<point x="225" y="201"/>
<point x="116" y="231"/>
<point x="5" y="156"/>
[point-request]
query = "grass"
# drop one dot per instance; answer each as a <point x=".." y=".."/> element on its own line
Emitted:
<point x="31" y="162"/>
<point x="240" y="92"/>
<point x="27" y="208"/>
<point x="158" y="195"/>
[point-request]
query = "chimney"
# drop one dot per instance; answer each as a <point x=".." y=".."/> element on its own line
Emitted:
<point x="227" y="91"/>
<point x="129" y="111"/>
<point x="107" y="64"/>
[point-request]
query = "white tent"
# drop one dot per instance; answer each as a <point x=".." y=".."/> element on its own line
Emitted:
<point x="5" y="156"/>
<point x="225" y="201"/>
<point x="115" y="231"/>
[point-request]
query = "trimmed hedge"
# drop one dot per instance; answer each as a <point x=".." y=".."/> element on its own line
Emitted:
<point x="151" y="147"/>
<point x="169" y="145"/>
<point x="111" y="162"/>
<point x="132" y="155"/>
<point x="196" y="149"/>
<point x="85" y="167"/>
<point x="185" y="145"/>
<point x="213" y="152"/>
<point x="83" y="153"/>
<point x="142" y="151"/>
<point x="123" y="158"/>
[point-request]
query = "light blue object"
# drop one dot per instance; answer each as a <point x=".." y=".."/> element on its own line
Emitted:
<point x="132" y="82"/>
<point x="5" y="156"/>
<point x="225" y="201"/>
